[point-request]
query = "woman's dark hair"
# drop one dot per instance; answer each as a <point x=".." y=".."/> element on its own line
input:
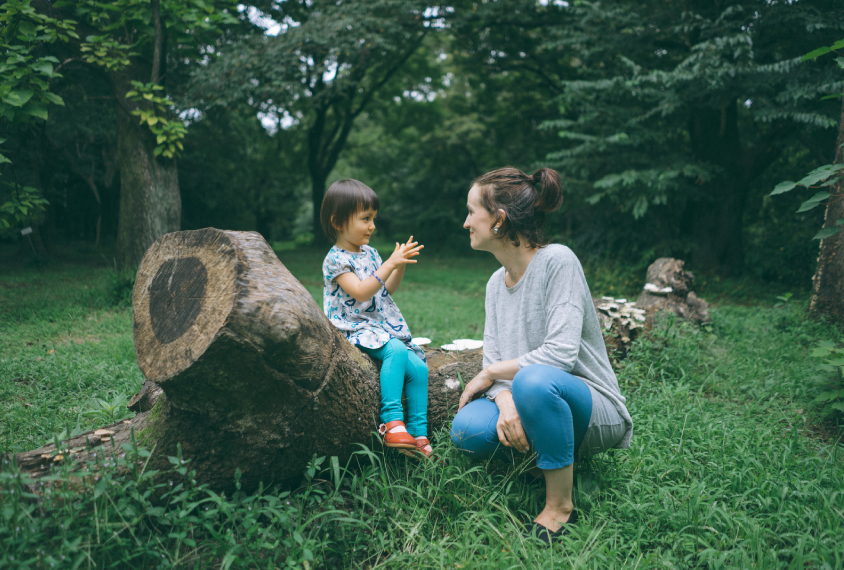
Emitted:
<point x="524" y="199"/>
<point x="342" y="200"/>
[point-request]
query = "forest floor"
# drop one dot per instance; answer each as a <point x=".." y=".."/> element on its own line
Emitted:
<point x="730" y="464"/>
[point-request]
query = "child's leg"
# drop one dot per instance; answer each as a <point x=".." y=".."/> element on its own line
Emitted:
<point x="393" y="357"/>
<point x="416" y="390"/>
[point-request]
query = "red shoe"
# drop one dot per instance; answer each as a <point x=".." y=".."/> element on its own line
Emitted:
<point x="423" y="447"/>
<point x="395" y="435"/>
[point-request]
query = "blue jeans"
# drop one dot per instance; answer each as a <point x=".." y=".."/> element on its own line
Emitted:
<point x="401" y="368"/>
<point x="554" y="408"/>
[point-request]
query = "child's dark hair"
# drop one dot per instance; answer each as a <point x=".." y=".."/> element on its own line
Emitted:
<point x="524" y="199"/>
<point x="342" y="200"/>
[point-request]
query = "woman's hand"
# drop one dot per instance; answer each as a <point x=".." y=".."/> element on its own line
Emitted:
<point x="404" y="253"/>
<point x="478" y="384"/>
<point x="509" y="426"/>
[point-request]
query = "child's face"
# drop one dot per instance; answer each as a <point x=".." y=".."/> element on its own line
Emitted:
<point x="357" y="230"/>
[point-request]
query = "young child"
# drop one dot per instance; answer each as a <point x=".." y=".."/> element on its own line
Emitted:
<point x="357" y="300"/>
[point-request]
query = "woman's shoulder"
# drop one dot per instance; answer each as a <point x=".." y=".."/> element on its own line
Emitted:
<point x="495" y="280"/>
<point x="556" y="255"/>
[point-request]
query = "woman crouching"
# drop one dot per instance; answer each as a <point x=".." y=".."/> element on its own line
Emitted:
<point x="547" y="379"/>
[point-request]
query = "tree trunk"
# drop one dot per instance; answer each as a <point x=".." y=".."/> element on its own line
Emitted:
<point x="150" y="203"/>
<point x="317" y="193"/>
<point x="253" y="375"/>
<point x="828" y="281"/>
<point x="716" y="219"/>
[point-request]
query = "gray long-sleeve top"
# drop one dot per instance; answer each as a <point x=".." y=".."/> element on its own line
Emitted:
<point x="548" y="318"/>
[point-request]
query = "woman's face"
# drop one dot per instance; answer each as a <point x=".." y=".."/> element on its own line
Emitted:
<point x="479" y="222"/>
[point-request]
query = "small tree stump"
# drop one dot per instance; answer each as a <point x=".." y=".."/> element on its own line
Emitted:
<point x="669" y="288"/>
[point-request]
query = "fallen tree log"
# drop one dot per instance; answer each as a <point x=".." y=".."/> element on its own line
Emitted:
<point x="252" y="375"/>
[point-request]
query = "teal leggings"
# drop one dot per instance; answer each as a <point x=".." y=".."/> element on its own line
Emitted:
<point x="401" y="368"/>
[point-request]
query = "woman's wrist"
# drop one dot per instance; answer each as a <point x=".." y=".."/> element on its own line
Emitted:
<point x="504" y="399"/>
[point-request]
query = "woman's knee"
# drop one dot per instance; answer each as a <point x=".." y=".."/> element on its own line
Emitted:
<point x="471" y="427"/>
<point x="460" y="427"/>
<point x="531" y="382"/>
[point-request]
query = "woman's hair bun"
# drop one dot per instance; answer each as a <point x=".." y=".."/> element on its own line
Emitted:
<point x="549" y="191"/>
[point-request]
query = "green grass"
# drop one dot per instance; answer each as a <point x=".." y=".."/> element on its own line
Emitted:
<point x="729" y="465"/>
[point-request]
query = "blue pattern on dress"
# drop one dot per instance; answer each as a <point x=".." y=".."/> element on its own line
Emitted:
<point x="371" y="323"/>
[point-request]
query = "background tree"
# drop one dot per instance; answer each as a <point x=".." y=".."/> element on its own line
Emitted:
<point x="683" y="106"/>
<point x="828" y="281"/>
<point x="25" y="94"/>
<point x="128" y="43"/>
<point x="235" y="175"/>
<point x="466" y="108"/>
<point x="319" y="73"/>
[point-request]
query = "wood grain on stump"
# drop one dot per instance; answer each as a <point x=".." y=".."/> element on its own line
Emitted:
<point x="251" y="373"/>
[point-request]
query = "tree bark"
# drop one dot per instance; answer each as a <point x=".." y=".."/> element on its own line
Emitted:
<point x="668" y="287"/>
<point x="716" y="220"/>
<point x="150" y="203"/>
<point x="828" y="281"/>
<point x="253" y="375"/>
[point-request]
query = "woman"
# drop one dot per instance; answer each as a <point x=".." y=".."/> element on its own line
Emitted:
<point x="547" y="379"/>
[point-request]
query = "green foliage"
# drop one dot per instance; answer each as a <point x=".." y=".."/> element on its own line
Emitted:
<point x="168" y="132"/>
<point x="830" y="379"/>
<point x="318" y="75"/>
<point x="828" y="175"/>
<point x="102" y="412"/>
<point x="674" y="111"/>
<point x="19" y="204"/>
<point x="143" y="520"/>
<point x="235" y="175"/>
<point x="114" y="48"/>
<point x="106" y="52"/>
<point x="26" y="73"/>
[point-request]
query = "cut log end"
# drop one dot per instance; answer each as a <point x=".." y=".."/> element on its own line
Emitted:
<point x="183" y="294"/>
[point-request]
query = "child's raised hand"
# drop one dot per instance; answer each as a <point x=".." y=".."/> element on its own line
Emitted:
<point x="404" y="252"/>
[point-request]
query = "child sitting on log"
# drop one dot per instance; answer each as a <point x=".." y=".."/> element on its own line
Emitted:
<point x="357" y="289"/>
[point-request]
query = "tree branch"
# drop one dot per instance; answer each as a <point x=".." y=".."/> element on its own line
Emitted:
<point x="159" y="40"/>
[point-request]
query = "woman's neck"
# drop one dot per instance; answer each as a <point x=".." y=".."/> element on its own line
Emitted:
<point x="515" y="261"/>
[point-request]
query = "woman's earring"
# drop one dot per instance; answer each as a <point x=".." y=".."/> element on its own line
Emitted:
<point x="495" y="230"/>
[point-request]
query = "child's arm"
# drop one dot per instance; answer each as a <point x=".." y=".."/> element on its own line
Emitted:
<point x="364" y="289"/>
<point x="393" y="282"/>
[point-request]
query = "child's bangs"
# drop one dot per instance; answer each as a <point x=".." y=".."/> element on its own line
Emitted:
<point x="366" y="199"/>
